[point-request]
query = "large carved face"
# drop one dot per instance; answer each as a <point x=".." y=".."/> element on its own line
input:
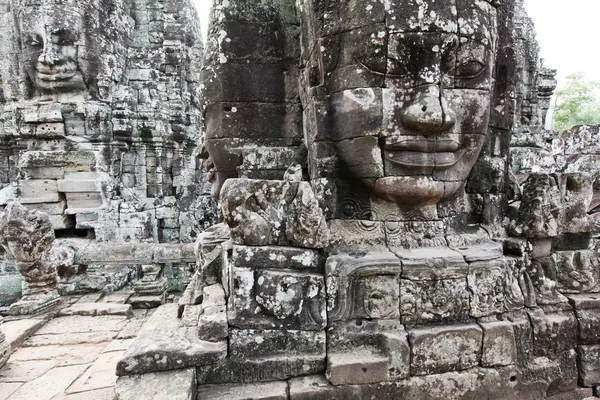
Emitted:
<point x="402" y="92"/>
<point x="52" y="38"/>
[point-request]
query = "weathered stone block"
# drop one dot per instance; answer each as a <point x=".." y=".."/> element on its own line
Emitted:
<point x="587" y="311"/>
<point x="377" y="341"/>
<point x="168" y="349"/>
<point x="255" y="391"/>
<point x="357" y="368"/>
<point x="363" y="284"/>
<point x="250" y="343"/>
<point x="263" y="369"/>
<point x="83" y="200"/>
<point x="287" y="213"/>
<point x="486" y="282"/>
<point x="442" y="349"/>
<point x="212" y="324"/>
<point x="432" y="264"/>
<point x="276" y="257"/>
<point x="76" y="182"/>
<point x="588" y="363"/>
<point x="442" y="300"/>
<point x="277" y="299"/>
<point x="553" y="333"/>
<point x="577" y="270"/>
<point x="174" y="385"/>
<point x="472" y="384"/>
<point x="38" y="191"/>
<point x="499" y="345"/>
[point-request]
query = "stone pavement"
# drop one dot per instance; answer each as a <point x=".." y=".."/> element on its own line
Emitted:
<point x="70" y="353"/>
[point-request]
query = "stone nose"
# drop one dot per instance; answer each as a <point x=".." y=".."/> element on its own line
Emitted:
<point x="49" y="54"/>
<point x="429" y="113"/>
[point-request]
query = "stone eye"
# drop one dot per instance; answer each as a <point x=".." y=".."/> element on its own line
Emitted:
<point x="65" y="38"/>
<point x="469" y="69"/>
<point x="396" y="68"/>
<point x="34" y="41"/>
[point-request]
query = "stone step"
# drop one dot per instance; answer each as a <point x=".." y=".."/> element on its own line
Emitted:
<point x="96" y="309"/>
<point x="255" y="391"/>
<point x="172" y="385"/>
<point x="168" y="349"/>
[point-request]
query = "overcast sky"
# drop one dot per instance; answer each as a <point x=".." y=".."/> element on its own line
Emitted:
<point x="567" y="32"/>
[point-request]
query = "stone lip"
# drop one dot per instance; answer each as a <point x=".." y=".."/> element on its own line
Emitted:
<point x="168" y="349"/>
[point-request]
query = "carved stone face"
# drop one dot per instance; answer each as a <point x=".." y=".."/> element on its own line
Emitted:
<point x="407" y="101"/>
<point x="51" y="39"/>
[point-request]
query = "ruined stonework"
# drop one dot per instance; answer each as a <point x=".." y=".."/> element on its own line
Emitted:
<point x="531" y="142"/>
<point x="375" y="244"/>
<point x="99" y="119"/>
<point x="27" y="236"/>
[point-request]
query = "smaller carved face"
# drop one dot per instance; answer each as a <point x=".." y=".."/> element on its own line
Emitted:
<point x="51" y="38"/>
<point x="381" y="297"/>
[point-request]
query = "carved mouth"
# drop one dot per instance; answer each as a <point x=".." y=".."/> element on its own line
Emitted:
<point x="61" y="72"/>
<point x="423" y="153"/>
<point x="56" y="76"/>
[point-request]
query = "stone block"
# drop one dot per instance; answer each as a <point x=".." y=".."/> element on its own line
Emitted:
<point x="276" y="299"/>
<point x="276" y="257"/>
<point x="78" y="182"/>
<point x="253" y="391"/>
<point x="588" y="364"/>
<point x="287" y="215"/>
<point x="357" y="233"/>
<point x="168" y="349"/>
<point x="83" y="200"/>
<point x="38" y="191"/>
<point x="376" y="340"/>
<point x="442" y="349"/>
<point x="263" y="369"/>
<point x="472" y="384"/>
<point x="48" y="208"/>
<point x="429" y="301"/>
<point x="173" y="385"/>
<point x="577" y="270"/>
<point x="363" y="284"/>
<point x="486" y="283"/>
<point x="432" y="264"/>
<point x="251" y="344"/>
<point x="587" y="311"/>
<point x="553" y="332"/>
<point x="482" y="252"/>
<point x="212" y="324"/>
<point x="357" y="368"/>
<point x="499" y="345"/>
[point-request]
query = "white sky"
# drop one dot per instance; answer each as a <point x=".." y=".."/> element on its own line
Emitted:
<point x="567" y="32"/>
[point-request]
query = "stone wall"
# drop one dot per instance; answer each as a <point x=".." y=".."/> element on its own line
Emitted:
<point x="99" y="118"/>
<point x="402" y="259"/>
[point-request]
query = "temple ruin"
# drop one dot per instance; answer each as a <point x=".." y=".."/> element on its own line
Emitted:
<point x="328" y="199"/>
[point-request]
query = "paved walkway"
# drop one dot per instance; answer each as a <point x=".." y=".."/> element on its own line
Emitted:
<point x="71" y="354"/>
